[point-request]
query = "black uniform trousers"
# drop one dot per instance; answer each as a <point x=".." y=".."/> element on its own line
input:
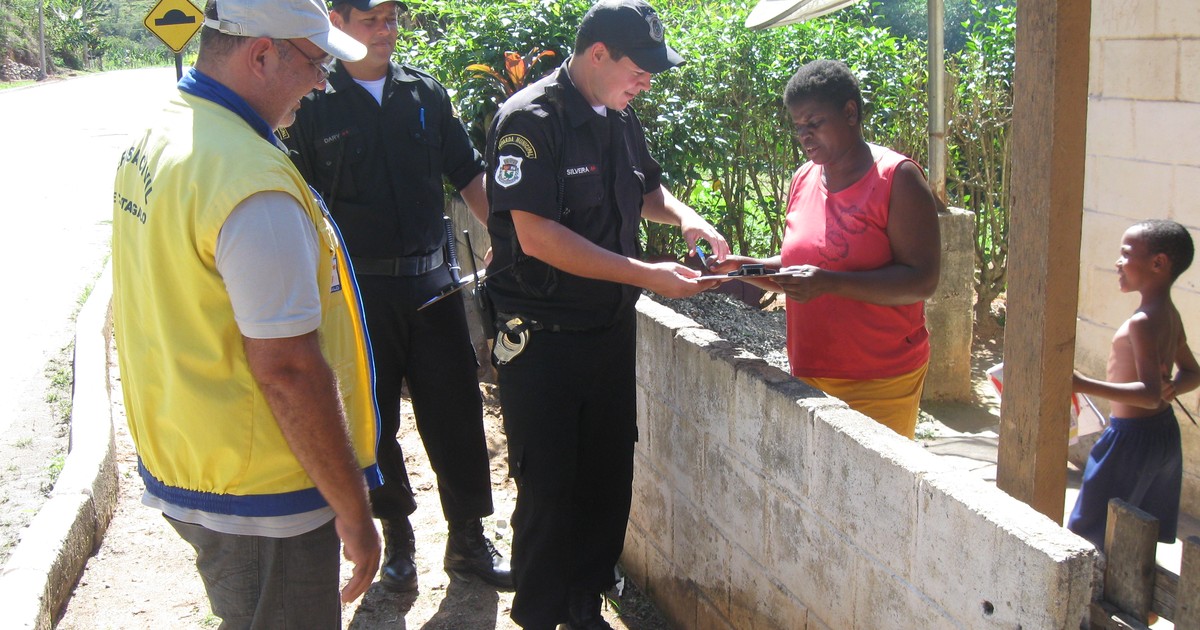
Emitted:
<point x="570" y="413"/>
<point x="431" y="350"/>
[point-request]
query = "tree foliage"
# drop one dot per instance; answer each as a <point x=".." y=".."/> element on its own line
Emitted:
<point x="980" y="151"/>
<point x="81" y="34"/>
<point x="450" y="37"/>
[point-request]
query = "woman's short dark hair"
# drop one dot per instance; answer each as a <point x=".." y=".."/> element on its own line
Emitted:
<point x="1170" y="238"/>
<point x="826" y="80"/>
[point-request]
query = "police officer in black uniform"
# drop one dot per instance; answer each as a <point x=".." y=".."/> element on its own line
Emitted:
<point x="377" y="144"/>
<point x="570" y="179"/>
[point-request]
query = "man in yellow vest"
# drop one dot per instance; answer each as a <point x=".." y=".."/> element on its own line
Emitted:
<point x="239" y="329"/>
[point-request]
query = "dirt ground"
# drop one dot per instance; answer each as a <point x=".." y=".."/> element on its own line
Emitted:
<point x="143" y="575"/>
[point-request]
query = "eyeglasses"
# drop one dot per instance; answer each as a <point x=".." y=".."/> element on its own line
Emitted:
<point x="323" y="64"/>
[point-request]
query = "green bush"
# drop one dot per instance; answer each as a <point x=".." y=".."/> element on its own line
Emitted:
<point x="124" y="53"/>
<point x="444" y="37"/>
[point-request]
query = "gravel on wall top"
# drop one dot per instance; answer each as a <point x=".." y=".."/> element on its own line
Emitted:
<point x="760" y="332"/>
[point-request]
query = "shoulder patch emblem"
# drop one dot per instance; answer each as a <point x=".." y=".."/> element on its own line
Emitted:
<point x="519" y="141"/>
<point x="509" y="171"/>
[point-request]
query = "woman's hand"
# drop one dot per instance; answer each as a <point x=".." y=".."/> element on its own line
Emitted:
<point x="802" y="283"/>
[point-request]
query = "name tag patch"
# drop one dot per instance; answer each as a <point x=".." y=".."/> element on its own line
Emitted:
<point x="582" y="170"/>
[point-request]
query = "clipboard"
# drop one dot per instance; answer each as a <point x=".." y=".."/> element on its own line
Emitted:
<point x="734" y="275"/>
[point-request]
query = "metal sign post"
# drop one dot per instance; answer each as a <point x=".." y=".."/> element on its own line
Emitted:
<point x="175" y="22"/>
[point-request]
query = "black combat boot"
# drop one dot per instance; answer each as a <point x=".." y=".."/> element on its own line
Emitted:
<point x="399" y="572"/>
<point x="583" y="611"/>
<point x="469" y="552"/>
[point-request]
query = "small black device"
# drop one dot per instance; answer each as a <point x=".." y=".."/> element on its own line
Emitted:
<point x="751" y="270"/>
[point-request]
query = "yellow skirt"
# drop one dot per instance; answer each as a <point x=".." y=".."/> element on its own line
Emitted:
<point x="892" y="402"/>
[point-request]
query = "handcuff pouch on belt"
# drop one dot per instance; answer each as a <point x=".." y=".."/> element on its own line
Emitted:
<point x="512" y="335"/>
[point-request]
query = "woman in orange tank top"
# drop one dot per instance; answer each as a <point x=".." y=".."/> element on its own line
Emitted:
<point x="861" y="253"/>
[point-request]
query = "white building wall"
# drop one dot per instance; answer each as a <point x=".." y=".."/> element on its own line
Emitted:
<point x="1143" y="162"/>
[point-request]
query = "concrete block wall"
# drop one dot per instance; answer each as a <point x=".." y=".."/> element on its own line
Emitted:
<point x="760" y="503"/>
<point x="1143" y="162"/>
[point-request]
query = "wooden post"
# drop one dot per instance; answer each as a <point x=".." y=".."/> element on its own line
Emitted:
<point x="1049" y="133"/>
<point x="1187" y="596"/>
<point x="1129" y="544"/>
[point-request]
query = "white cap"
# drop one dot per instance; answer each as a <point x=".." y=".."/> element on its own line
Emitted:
<point x="286" y="19"/>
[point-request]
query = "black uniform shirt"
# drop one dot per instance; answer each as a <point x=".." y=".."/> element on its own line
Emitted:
<point x="541" y="134"/>
<point x="380" y="167"/>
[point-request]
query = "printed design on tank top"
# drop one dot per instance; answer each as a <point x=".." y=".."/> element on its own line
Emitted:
<point x="838" y="223"/>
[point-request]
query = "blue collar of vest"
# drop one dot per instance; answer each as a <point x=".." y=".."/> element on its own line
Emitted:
<point x="199" y="84"/>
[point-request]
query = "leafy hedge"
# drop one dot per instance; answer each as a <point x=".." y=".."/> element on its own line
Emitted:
<point x="717" y="123"/>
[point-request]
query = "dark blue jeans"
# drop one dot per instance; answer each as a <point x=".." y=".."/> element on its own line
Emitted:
<point x="255" y="582"/>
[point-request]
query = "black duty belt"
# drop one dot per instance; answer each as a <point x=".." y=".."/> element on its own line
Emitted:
<point x="513" y="323"/>
<point x="403" y="266"/>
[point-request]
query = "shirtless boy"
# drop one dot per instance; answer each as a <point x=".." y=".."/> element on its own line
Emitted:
<point x="1138" y="458"/>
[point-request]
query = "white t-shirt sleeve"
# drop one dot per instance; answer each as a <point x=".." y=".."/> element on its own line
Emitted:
<point x="267" y="255"/>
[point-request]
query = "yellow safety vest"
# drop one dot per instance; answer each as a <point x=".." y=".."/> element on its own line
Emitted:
<point x="205" y="437"/>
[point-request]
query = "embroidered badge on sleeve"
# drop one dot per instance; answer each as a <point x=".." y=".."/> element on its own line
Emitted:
<point x="508" y="173"/>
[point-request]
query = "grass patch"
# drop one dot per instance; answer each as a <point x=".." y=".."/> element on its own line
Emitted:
<point x="53" y="469"/>
<point x="926" y="429"/>
<point x="60" y="371"/>
<point x="635" y="608"/>
<point x="24" y="442"/>
<point x="8" y="85"/>
<point x="55" y="466"/>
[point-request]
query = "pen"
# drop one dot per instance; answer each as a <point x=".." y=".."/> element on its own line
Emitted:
<point x="702" y="256"/>
<point x="422" y="114"/>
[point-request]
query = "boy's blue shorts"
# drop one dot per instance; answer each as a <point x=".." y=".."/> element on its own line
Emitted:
<point x="1139" y="460"/>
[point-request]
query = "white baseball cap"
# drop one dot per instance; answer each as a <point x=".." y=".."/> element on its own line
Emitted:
<point x="286" y="19"/>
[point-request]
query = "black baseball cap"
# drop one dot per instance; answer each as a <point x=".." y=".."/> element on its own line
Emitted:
<point x="633" y="27"/>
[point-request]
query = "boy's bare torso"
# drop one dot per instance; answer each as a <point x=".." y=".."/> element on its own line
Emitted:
<point x="1163" y="319"/>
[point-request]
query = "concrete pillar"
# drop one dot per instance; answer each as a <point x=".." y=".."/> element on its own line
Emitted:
<point x="949" y="314"/>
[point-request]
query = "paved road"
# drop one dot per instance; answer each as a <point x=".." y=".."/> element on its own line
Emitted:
<point x="61" y="141"/>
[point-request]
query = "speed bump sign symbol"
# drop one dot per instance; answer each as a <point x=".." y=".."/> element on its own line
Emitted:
<point x="174" y="22"/>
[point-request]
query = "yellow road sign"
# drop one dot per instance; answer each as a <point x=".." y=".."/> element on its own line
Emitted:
<point x="174" y="22"/>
